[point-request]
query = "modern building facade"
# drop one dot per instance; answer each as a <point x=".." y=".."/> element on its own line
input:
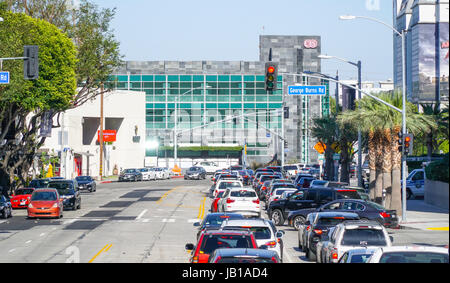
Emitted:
<point x="427" y="42"/>
<point x="208" y="94"/>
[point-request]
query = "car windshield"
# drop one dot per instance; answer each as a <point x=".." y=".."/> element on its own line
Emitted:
<point x="24" y="192"/>
<point x="363" y="237"/>
<point x="212" y="242"/>
<point x="44" y="196"/>
<point x="64" y="188"/>
<point x="244" y="259"/>
<point x="194" y="169"/>
<point x="413" y="257"/>
<point x="290" y="168"/>
<point x="360" y="258"/>
<point x="217" y="219"/>
<point x="243" y="194"/>
<point x="129" y="171"/>
<point x="281" y="191"/>
<point x="83" y="178"/>
<point x="225" y="185"/>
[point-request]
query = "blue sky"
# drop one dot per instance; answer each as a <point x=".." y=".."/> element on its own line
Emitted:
<point x="229" y="30"/>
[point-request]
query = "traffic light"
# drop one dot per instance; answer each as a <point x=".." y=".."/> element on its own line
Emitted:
<point x="408" y="143"/>
<point x="400" y="142"/>
<point x="286" y="112"/>
<point x="271" y="76"/>
<point x="31" y="64"/>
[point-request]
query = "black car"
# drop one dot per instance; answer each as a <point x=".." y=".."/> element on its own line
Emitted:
<point x="5" y="207"/>
<point x="129" y="175"/>
<point x="213" y="221"/>
<point x="279" y="210"/>
<point x="365" y="210"/>
<point x="304" y="182"/>
<point x="86" y="183"/>
<point x="69" y="191"/>
<point x="319" y="227"/>
<point x="39" y="183"/>
<point x="195" y="172"/>
<point x="299" y="176"/>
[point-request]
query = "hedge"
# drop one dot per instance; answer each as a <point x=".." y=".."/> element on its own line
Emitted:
<point x="438" y="170"/>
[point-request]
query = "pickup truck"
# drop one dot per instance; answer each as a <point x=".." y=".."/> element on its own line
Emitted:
<point x="278" y="211"/>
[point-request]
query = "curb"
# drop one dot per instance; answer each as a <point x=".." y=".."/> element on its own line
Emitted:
<point x="177" y="177"/>
<point x="105" y="182"/>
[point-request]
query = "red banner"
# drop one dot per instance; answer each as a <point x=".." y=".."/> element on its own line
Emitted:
<point x="108" y="135"/>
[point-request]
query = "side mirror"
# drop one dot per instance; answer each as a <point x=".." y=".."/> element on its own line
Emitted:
<point x="391" y="238"/>
<point x="196" y="224"/>
<point x="189" y="247"/>
<point x="280" y="234"/>
<point x="263" y="247"/>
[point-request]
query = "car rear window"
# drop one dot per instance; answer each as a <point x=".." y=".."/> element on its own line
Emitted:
<point x="280" y="192"/>
<point x="243" y="194"/>
<point x="332" y="221"/>
<point x="212" y="242"/>
<point x="218" y="219"/>
<point x="360" y="258"/>
<point x="290" y="168"/>
<point x="244" y="259"/>
<point x="283" y="186"/>
<point x="413" y="257"/>
<point x="363" y="237"/>
<point x="225" y="185"/>
<point x="260" y="233"/>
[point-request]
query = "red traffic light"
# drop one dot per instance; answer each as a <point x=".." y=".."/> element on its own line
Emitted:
<point x="271" y="70"/>
<point x="407" y="139"/>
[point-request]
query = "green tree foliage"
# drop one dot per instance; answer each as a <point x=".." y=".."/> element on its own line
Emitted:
<point x="438" y="170"/>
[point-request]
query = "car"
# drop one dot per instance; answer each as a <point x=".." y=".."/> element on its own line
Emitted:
<point x="415" y="184"/>
<point x="227" y="176"/>
<point x="39" y="183"/>
<point x="209" y="166"/>
<point x="240" y="200"/>
<point x="211" y="240"/>
<point x="167" y="172"/>
<point x="266" y="234"/>
<point x="161" y="173"/>
<point x="299" y="176"/>
<point x="365" y="209"/>
<point x="215" y="202"/>
<point x="319" y="184"/>
<point x="277" y="190"/>
<point x="319" y="226"/>
<point x="304" y="182"/>
<point x="5" y="207"/>
<point x="257" y="177"/>
<point x="86" y="183"/>
<point x="352" y="234"/>
<point x="357" y="255"/>
<point x="147" y="174"/>
<point x="213" y="221"/>
<point x="236" y="167"/>
<point x="45" y="203"/>
<point x="237" y="255"/>
<point x="302" y="229"/>
<point x="21" y="197"/>
<point x="279" y="210"/>
<point x="195" y="172"/>
<point x="69" y="191"/>
<point x="224" y="184"/>
<point x="291" y="170"/>
<point x="264" y="178"/>
<point x="410" y="254"/>
<point x="262" y="191"/>
<point x="245" y="177"/>
<point x="129" y="175"/>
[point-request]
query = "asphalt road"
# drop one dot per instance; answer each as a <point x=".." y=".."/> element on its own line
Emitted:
<point x="143" y="222"/>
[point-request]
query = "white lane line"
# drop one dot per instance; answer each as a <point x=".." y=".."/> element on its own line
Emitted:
<point x="168" y="220"/>
<point x="192" y="220"/>
<point x="42" y="234"/>
<point x="27" y="242"/>
<point x="141" y="214"/>
<point x="3" y="221"/>
<point x="11" y="250"/>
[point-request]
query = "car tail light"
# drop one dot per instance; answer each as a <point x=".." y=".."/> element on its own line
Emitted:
<point x="195" y="259"/>
<point x="271" y="244"/>
<point x="217" y="259"/>
<point x="275" y="199"/>
<point x="256" y="201"/>
<point x="385" y="215"/>
<point x="274" y="260"/>
<point x="230" y="200"/>
<point x="334" y="255"/>
<point x="318" y="231"/>
<point x="308" y="228"/>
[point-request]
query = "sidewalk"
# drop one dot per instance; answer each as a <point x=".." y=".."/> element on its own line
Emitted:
<point x="423" y="216"/>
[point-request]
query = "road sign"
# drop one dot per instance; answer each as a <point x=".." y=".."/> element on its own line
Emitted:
<point x="336" y="156"/>
<point x="307" y="90"/>
<point x="321" y="157"/>
<point x="268" y="135"/>
<point x="320" y="147"/>
<point x="4" y="77"/>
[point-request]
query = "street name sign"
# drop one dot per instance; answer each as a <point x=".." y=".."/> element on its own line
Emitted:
<point x="307" y="90"/>
<point x="4" y="77"/>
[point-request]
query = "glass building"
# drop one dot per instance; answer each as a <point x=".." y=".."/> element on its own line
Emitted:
<point x="210" y="95"/>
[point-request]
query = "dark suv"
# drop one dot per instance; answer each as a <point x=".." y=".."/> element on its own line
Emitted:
<point x="69" y="191"/>
<point x="279" y="210"/>
<point x="86" y="183"/>
<point x="195" y="172"/>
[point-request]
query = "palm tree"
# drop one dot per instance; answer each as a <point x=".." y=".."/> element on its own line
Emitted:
<point x="325" y="130"/>
<point x="385" y="123"/>
<point x="434" y="137"/>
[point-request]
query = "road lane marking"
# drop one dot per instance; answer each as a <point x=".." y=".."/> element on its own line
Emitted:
<point x="141" y="214"/>
<point x="168" y="220"/>
<point x="11" y="250"/>
<point x="29" y="241"/>
<point x="201" y="209"/>
<point x="42" y="234"/>
<point x="438" y="229"/>
<point x="107" y="246"/>
<point x="167" y="193"/>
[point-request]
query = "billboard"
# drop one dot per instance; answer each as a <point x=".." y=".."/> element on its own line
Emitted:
<point x="108" y="135"/>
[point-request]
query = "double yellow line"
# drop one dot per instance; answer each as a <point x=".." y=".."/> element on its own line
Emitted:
<point x="201" y="210"/>
<point x="167" y="193"/>
<point x="105" y="249"/>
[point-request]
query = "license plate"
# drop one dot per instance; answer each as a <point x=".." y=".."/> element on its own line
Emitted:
<point x="23" y="202"/>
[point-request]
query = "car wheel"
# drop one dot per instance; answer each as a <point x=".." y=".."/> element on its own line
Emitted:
<point x="277" y="217"/>
<point x="408" y="194"/>
<point x="4" y="214"/>
<point x="310" y="255"/>
<point x="300" y="247"/>
<point x="298" y="220"/>
<point x="10" y="212"/>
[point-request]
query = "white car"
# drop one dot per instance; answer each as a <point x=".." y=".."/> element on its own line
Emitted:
<point x="209" y="166"/>
<point x="224" y="184"/>
<point x="354" y="234"/>
<point x="410" y="254"/>
<point x="357" y="256"/>
<point x="291" y="170"/>
<point x="240" y="200"/>
<point x="161" y="174"/>
<point x="148" y="174"/>
<point x="264" y="231"/>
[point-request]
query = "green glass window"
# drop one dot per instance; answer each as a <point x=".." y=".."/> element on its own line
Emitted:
<point x="211" y="98"/>
<point x="136" y="85"/>
<point x="174" y="85"/>
<point x="275" y="105"/>
<point x="148" y="84"/>
<point x="236" y="106"/>
<point x="160" y="106"/>
<point x="149" y="105"/>
<point x="185" y="85"/>
<point x="236" y="92"/>
<point x="249" y="91"/>
<point x="223" y="105"/>
<point x="185" y="78"/>
<point x="211" y="105"/>
<point x="249" y="98"/>
<point x="135" y="78"/>
<point x="211" y="78"/>
<point x="160" y="91"/>
<point x="147" y="78"/>
<point x="149" y="98"/>
<point x="160" y="85"/>
<point x="261" y="85"/>
<point x="260" y="98"/>
<point x="236" y="98"/>
<point x="260" y="78"/>
<point x="160" y="78"/>
<point x="275" y="98"/>
<point x="198" y="78"/>
<point x="249" y="78"/>
<point x="224" y="78"/>
<point x="122" y="85"/>
<point x="197" y="98"/>
<point x="224" y="91"/>
<point x="122" y="78"/>
<point x="172" y="78"/>
<point x="249" y="85"/>
<point x="249" y="105"/>
<point x="160" y="98"/>
<point x="261" y="105"/>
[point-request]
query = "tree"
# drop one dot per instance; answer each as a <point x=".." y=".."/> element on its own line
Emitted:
<point x="23" y="103"/>
<point x="325" y="130"/>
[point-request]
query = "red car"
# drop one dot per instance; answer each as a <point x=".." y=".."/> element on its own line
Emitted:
<point x="45" y="203"/>
<point x="21" y="197"/>
<point x="211" y="240"/>
<point x="216" y="200"/>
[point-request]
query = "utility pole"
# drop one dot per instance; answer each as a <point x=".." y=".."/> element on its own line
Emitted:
<point x="101" y="133"/>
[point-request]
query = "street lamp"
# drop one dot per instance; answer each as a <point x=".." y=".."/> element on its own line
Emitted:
<point x="402" y="34"/>
<point x="357" y="65"/>
<point x="175" y="146"/>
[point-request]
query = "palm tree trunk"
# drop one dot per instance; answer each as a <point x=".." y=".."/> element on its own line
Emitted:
<point x="379" y="168"/>
<point x="396" y="201"/>
<point x="387" y="166"/>
<point x="329" y="162"/>
<point x="345" y="172"/>
<point x="372" y="165"/>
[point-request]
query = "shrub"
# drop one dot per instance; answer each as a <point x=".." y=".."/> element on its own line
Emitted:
<point x="438" y="170"/>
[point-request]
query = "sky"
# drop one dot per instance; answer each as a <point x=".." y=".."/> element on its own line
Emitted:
<point x="219" y="30"/>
